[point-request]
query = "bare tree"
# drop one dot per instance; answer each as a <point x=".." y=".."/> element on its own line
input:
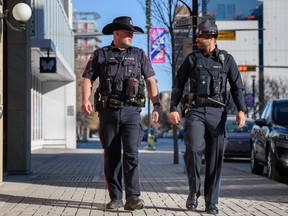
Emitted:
<point x="91" y="121"/>
<point x="164" y="13"/>
<point x="275" y="88"/>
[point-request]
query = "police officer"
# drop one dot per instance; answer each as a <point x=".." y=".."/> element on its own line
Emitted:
<point x="208" y="70"/>
<point x="123" y="71"/>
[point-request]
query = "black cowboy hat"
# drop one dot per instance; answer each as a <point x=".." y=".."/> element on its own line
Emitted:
<point x="123" y="22"/>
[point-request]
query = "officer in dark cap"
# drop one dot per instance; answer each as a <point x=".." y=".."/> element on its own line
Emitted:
<point x="208" y="70"/>
<point x="123" y="72"/>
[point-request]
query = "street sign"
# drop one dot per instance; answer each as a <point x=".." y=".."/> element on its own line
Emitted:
<point x="204" y="18"/>
<point x="226" y="35"/>
<point x="183" y="22"/>
<point x="157" y="40"/>
<point x="188" y="21"/>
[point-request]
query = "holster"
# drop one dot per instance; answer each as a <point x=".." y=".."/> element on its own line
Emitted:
<point x="97" y="97"/>
<point x="115" y="104"/>
<point x="187" y="103"/>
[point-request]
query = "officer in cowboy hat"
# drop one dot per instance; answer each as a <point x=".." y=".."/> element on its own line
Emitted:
<point x="123" y="71"/>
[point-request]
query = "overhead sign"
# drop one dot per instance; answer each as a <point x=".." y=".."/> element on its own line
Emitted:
<point x="204" y="18"/>
<point x="188" y="21"/>
<point x="183" y="22"/>
<point x="157" y="41"/>
<point x="226" y="35"/>
<point x="47" y="65"/>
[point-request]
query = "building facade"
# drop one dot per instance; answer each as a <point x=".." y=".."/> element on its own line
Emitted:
<point x="53" y="93"/>
<point x="274" y="38"/>
<point x="39" y="98"/>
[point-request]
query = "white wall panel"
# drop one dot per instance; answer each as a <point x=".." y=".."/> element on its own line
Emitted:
<point x="54" y="112"/>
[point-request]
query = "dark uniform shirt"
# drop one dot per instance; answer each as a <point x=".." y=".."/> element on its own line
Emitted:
<point x="92" y="70"/>
<point x="188" y="66"/>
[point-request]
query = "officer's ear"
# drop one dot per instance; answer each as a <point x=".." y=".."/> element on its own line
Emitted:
<point x="116" y="33"/>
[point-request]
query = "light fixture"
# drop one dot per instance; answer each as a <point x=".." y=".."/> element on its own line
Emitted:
<point x="21" y="12"/>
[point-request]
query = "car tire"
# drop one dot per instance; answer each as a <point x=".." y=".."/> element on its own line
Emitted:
<point x="256" y="168"/>
<point x="272" y="170"/>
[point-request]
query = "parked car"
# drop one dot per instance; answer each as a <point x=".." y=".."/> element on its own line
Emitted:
<point x="269" y="141"/>
<point x="238" y="139"/>
<point x="168" y="134"/>
<point x="152" y="132"/>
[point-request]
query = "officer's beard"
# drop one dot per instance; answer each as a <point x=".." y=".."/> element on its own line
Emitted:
<point x="205" y="46"/>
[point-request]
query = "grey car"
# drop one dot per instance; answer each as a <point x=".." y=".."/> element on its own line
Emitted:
<point x="238" y="139"/>
<point x="269" y="141"/>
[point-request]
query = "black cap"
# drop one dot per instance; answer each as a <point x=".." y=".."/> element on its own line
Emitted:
<point x="119" y="23"/>
<point x="207" y="28"/>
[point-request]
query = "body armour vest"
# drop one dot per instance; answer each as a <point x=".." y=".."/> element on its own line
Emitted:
<point x="209" y="78"/>
<point x="120" y="73"/>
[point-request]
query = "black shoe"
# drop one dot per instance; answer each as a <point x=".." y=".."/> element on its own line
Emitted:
<point x="211" y="209"/>
<point x="192" y="201"/>
<point x="133" y="203"/>
<point x="114" y="204"/>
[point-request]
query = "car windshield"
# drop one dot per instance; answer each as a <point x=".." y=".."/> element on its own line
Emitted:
<point x="232" y="127"/>
<point x="280" y="114"/>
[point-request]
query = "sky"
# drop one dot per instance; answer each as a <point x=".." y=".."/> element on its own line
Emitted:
<point x="110" y="9"/>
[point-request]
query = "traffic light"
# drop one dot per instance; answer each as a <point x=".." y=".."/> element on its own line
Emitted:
<point x="246" y="68"/>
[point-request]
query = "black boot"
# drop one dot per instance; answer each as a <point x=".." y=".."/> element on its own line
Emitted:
<point x="192" y="201"/>
<point x="211" y="209"/>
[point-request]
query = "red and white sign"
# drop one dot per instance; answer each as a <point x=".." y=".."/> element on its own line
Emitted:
<point x="157" y="41"/>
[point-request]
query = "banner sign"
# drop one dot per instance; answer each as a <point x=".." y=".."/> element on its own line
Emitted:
<point x="157" y="41"/>
<point x="47" y="65"/>
<point x="250" y="99"/>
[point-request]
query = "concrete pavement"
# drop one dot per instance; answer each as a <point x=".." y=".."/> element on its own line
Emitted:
<point x="71" y="182"/>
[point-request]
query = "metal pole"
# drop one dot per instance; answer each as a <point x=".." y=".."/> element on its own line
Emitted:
<point x="194" y="21"/>
<point x="253" y="92"/>
<point x="148" y="26"/>
<point x="84" y="138"/>
<point x="261" y="63"/>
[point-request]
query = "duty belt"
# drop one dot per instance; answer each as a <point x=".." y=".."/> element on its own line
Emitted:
<point x="118" y="104"/>
<point x="207" y="101"/>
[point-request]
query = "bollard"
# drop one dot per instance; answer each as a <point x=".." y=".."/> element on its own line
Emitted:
<point x="151" y="142"/>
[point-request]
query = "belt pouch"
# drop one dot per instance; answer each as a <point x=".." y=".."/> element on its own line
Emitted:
<point x="203" y="85"/>
<point x="131" y="89"/>
<point x="116" y="104"/>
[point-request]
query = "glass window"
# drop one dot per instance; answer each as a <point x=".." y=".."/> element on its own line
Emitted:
<point x="231" y="11"/>
<point x="264" y="113"/>
<point x="280" y="114"/>
<point x="220" y="12"/>
<point x="232" y="127"/>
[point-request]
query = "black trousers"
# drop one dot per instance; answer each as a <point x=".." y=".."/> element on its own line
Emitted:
<point x="205" y="130"/>
<point x="121" y="129"/>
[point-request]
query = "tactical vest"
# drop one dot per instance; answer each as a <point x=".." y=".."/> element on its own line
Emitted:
<point x="120" y="75"/>
<point x="209" y="78"/>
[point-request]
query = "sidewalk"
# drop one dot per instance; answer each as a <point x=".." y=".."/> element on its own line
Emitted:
<point x="71" y="182"/>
